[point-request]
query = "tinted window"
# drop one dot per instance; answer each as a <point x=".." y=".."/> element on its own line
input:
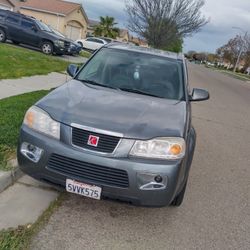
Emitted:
<point x="151" y="74"/>
<point x="90" y="39"/>
<point x="27" y="24"/>
<point x="98" y="41"/>
<point x="12" y="19"/>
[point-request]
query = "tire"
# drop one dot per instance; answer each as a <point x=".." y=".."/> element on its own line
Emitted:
<point x="2" y="36"/>
<point x="47" y="48"/>
<point x="179" y="198"/>
<point x="16" y="42"/>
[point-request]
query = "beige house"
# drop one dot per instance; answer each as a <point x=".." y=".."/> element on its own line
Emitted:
<point x="67" y="17"/>
<point x="6" y="5"/>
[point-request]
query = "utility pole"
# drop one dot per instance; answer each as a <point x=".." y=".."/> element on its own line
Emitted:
<point x="242" y="47"/>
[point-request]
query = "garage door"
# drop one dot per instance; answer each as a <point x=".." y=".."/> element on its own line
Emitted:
<point x="4" y="7"/>
<point x="73" y="32"/>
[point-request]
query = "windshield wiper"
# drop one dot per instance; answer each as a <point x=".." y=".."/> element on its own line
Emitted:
<point x="137" y="91"/>
<point x="97" y="84"/>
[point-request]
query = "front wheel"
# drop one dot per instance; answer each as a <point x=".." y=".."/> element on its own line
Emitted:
<point x="2" y="36"/>
<point x="47" y="48"/>
<point x="179" y="198"/>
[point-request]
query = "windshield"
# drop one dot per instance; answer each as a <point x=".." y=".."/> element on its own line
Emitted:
<point x="135" y="72"/>
<point x="43" y="26"/>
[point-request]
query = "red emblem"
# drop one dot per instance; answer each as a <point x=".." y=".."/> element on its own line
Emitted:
<point x="93" y="140"/>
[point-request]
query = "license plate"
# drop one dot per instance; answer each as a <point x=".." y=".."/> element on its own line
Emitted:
<point x="83" y="189"/>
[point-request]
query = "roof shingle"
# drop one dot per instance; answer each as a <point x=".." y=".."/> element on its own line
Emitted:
<point x="55" y="6"/>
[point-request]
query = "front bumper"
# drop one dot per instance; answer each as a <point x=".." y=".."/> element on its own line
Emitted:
<point x="172" y="171"/>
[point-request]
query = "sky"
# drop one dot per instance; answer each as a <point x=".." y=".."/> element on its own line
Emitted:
<point x="223" y="16"/>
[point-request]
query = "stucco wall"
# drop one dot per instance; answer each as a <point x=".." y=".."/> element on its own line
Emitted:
<point x="77" y="16"/>
<point x="56" y="22"/>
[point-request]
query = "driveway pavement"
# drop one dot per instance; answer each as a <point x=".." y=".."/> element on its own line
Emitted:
<point x="28" y="84"/>
<point x="216" y="210"/>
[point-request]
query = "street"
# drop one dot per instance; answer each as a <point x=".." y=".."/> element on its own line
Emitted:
<point x="216" y="209"/>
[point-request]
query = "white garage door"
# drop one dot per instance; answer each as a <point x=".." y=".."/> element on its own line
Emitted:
<point x="4" y="7"/>
<point x="73" y="32"/>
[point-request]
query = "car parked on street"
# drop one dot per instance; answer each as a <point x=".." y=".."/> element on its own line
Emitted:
<point x="92" y="43"/>
<point x="27" y="30"/>
<point x="120" y="129"/>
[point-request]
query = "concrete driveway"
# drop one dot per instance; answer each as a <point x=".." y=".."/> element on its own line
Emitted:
<point x="215" y="213"/>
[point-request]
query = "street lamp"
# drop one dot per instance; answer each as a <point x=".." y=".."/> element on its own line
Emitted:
<point x="242" y="47"/>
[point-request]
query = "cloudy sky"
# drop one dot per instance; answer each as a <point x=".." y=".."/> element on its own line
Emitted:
<point x="223" y="15"/>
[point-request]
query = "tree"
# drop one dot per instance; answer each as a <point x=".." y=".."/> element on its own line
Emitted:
<point x="230" y="51"/>
<point x="163" y="22"/>
<point x="106" y="27"/>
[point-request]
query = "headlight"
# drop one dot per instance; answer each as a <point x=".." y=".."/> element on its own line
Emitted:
<point x="40" y="121"/>
<point x="160" y="148"/>
<point x="59" y="43"/>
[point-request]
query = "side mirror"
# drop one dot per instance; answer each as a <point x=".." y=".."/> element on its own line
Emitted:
<point x="199" y="95"/>
<point x="72" y="70"/>
<point x="34" y="28"/>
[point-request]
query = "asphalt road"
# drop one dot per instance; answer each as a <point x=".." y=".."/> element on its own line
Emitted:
<point x="216" y="210"/>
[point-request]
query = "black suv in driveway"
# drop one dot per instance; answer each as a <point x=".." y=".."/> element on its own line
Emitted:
<point x="27" y="30"/>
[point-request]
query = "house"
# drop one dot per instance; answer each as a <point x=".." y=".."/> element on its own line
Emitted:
<point x="91" y="27"/>
<point x="7" y="5"/>
<point x="138" y="41"/>
<point x="67" y="17"/>
<point x="123" y="35"/>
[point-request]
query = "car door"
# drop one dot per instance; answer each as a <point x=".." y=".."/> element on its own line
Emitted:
<point x="30" y="32"/>
<point x="13" y="27"/>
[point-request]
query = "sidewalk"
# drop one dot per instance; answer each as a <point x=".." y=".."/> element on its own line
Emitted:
<point x="28" y="84"/>
<point x="23" y="202"/>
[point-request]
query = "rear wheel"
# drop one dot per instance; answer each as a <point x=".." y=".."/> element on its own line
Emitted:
<point x="2" y="36"/>
<point x="179" y="198"/>
<point x="47" y="48"/>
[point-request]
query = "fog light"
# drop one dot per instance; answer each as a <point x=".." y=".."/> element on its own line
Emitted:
<point x="158" y="179"/>
<point x="32" y="152"/>
<point x="150" y="181"/>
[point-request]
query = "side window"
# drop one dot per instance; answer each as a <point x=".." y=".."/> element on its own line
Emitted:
<point x="12" y="19"/>
<point x="90" y="40"/>
<point x="98" y="41"/>
<point x="27" y="24"/>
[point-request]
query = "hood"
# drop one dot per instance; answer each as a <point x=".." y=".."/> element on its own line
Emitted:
<point x="135" y="116"/>
<point x="55" y="36"/>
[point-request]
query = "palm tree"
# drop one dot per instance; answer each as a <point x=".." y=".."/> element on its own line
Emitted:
<point x="106" y="27"/>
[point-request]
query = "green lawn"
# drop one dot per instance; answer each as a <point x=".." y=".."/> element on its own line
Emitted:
<point x="85" y="54"/>
<point x="12" y="111"/>
<point x="16" y="62"/>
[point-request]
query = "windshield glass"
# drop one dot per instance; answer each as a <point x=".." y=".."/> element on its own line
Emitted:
<point x="135" y="72"/>
<point x="43" y="26"/>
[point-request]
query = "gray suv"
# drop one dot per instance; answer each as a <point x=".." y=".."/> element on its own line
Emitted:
<point x="120" y="129"/>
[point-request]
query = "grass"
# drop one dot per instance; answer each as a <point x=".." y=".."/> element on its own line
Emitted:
<point x="85" y="54"/>
<point x="16" y="62"/>
<point x="20" y="238"/>
<point x="12" y="111"/>
<point x="235" y="75"/>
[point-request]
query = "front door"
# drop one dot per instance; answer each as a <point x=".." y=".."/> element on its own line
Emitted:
<point x="30" y="33"/>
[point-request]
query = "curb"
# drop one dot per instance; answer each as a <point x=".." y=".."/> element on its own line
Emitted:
<point x="9" y="178"/>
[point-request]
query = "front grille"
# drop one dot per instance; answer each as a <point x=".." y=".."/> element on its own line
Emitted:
<point x="106" y="143"/>
<point x="87" y="171"/>
<point x="66" y="44"/>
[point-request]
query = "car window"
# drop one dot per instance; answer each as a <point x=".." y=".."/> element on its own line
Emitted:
<point x="90" y="39"/>
<point x="27" y="24"/>
<point x="12" y="19"/>
<point x="155" y="75"/>
<point x="98" y="41"/>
